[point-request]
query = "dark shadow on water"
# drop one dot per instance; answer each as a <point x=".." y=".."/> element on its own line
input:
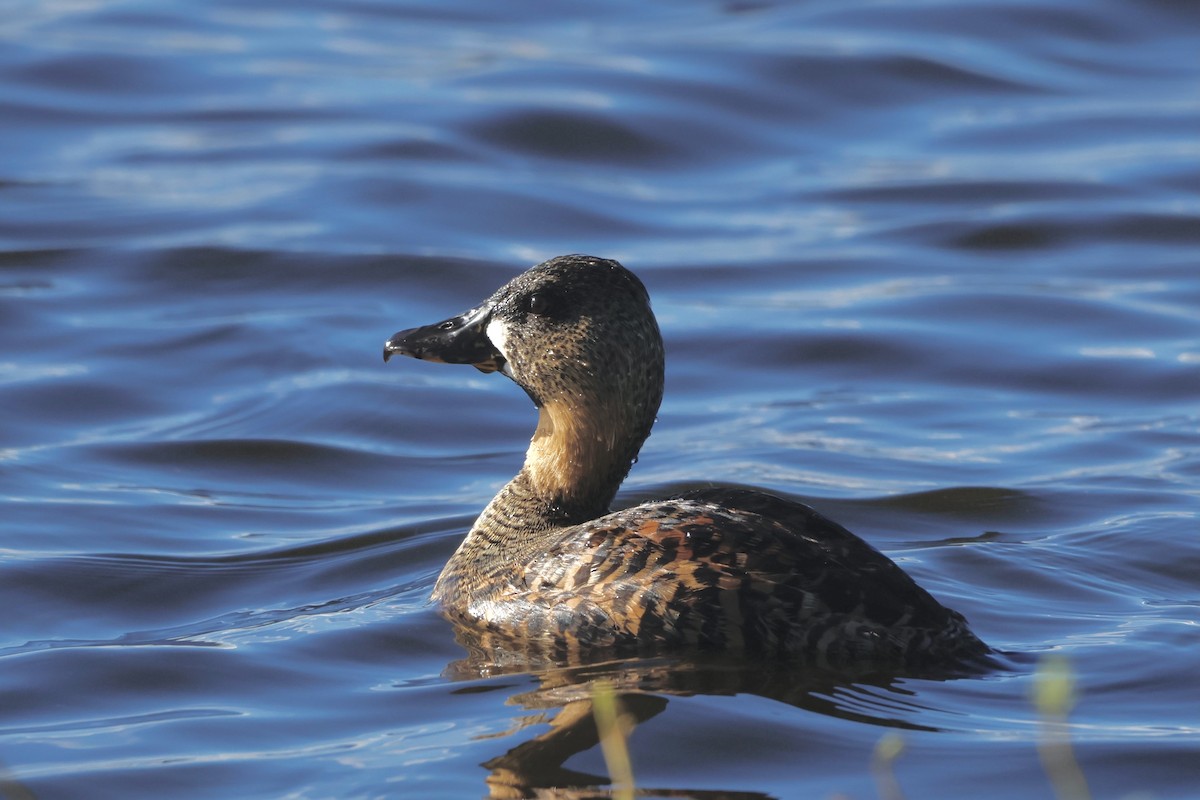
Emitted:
<point x="643" y="686"/>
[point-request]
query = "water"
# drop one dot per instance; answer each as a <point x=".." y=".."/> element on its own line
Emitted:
<point x="928" y="266"/>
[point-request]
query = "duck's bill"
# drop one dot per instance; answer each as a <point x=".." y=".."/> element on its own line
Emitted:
<point x="458" y="340"/>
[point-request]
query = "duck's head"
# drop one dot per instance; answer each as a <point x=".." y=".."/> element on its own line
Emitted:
<point x="577" y="334"/>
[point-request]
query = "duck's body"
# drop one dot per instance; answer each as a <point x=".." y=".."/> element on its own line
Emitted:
<point x="546" y="565"/>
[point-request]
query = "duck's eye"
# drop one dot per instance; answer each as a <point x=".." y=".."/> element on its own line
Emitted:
<point x="540" y="303"/>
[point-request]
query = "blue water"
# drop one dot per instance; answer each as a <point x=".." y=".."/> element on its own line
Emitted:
<point x="929" y="266"/>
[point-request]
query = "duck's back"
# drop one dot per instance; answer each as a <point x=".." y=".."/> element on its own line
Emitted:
<point x="729" y="570"/>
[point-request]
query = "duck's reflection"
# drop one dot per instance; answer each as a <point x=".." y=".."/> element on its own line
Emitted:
<point x="564" y="700"/>
<point x="535" y="768"/>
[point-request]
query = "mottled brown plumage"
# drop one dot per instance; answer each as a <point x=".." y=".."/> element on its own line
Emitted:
<point x="546" y="567"/>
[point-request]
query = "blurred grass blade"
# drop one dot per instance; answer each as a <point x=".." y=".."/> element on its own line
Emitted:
<point x="613" y="727"/>
<point x="883" y="761"/>
<point x="1054" y="696"/>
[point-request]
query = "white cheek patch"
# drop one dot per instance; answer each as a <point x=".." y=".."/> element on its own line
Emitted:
<point x="497" y="331"/>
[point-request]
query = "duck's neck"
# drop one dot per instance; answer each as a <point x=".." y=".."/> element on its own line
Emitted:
<point x="579" y="455"/>
<point x="573" y="468"/>
<point x="575" y="463"/>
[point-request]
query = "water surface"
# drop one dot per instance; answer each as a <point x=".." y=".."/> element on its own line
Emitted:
<point x="929" y="266"/>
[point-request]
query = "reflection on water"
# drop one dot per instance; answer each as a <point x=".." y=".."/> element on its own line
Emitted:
<point x="561" y="709"/>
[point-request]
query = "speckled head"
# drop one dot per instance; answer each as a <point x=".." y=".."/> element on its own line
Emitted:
<point x="577" y="334"/>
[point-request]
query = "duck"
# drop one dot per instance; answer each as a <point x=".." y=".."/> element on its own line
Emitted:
<point x="549" y="565"/>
